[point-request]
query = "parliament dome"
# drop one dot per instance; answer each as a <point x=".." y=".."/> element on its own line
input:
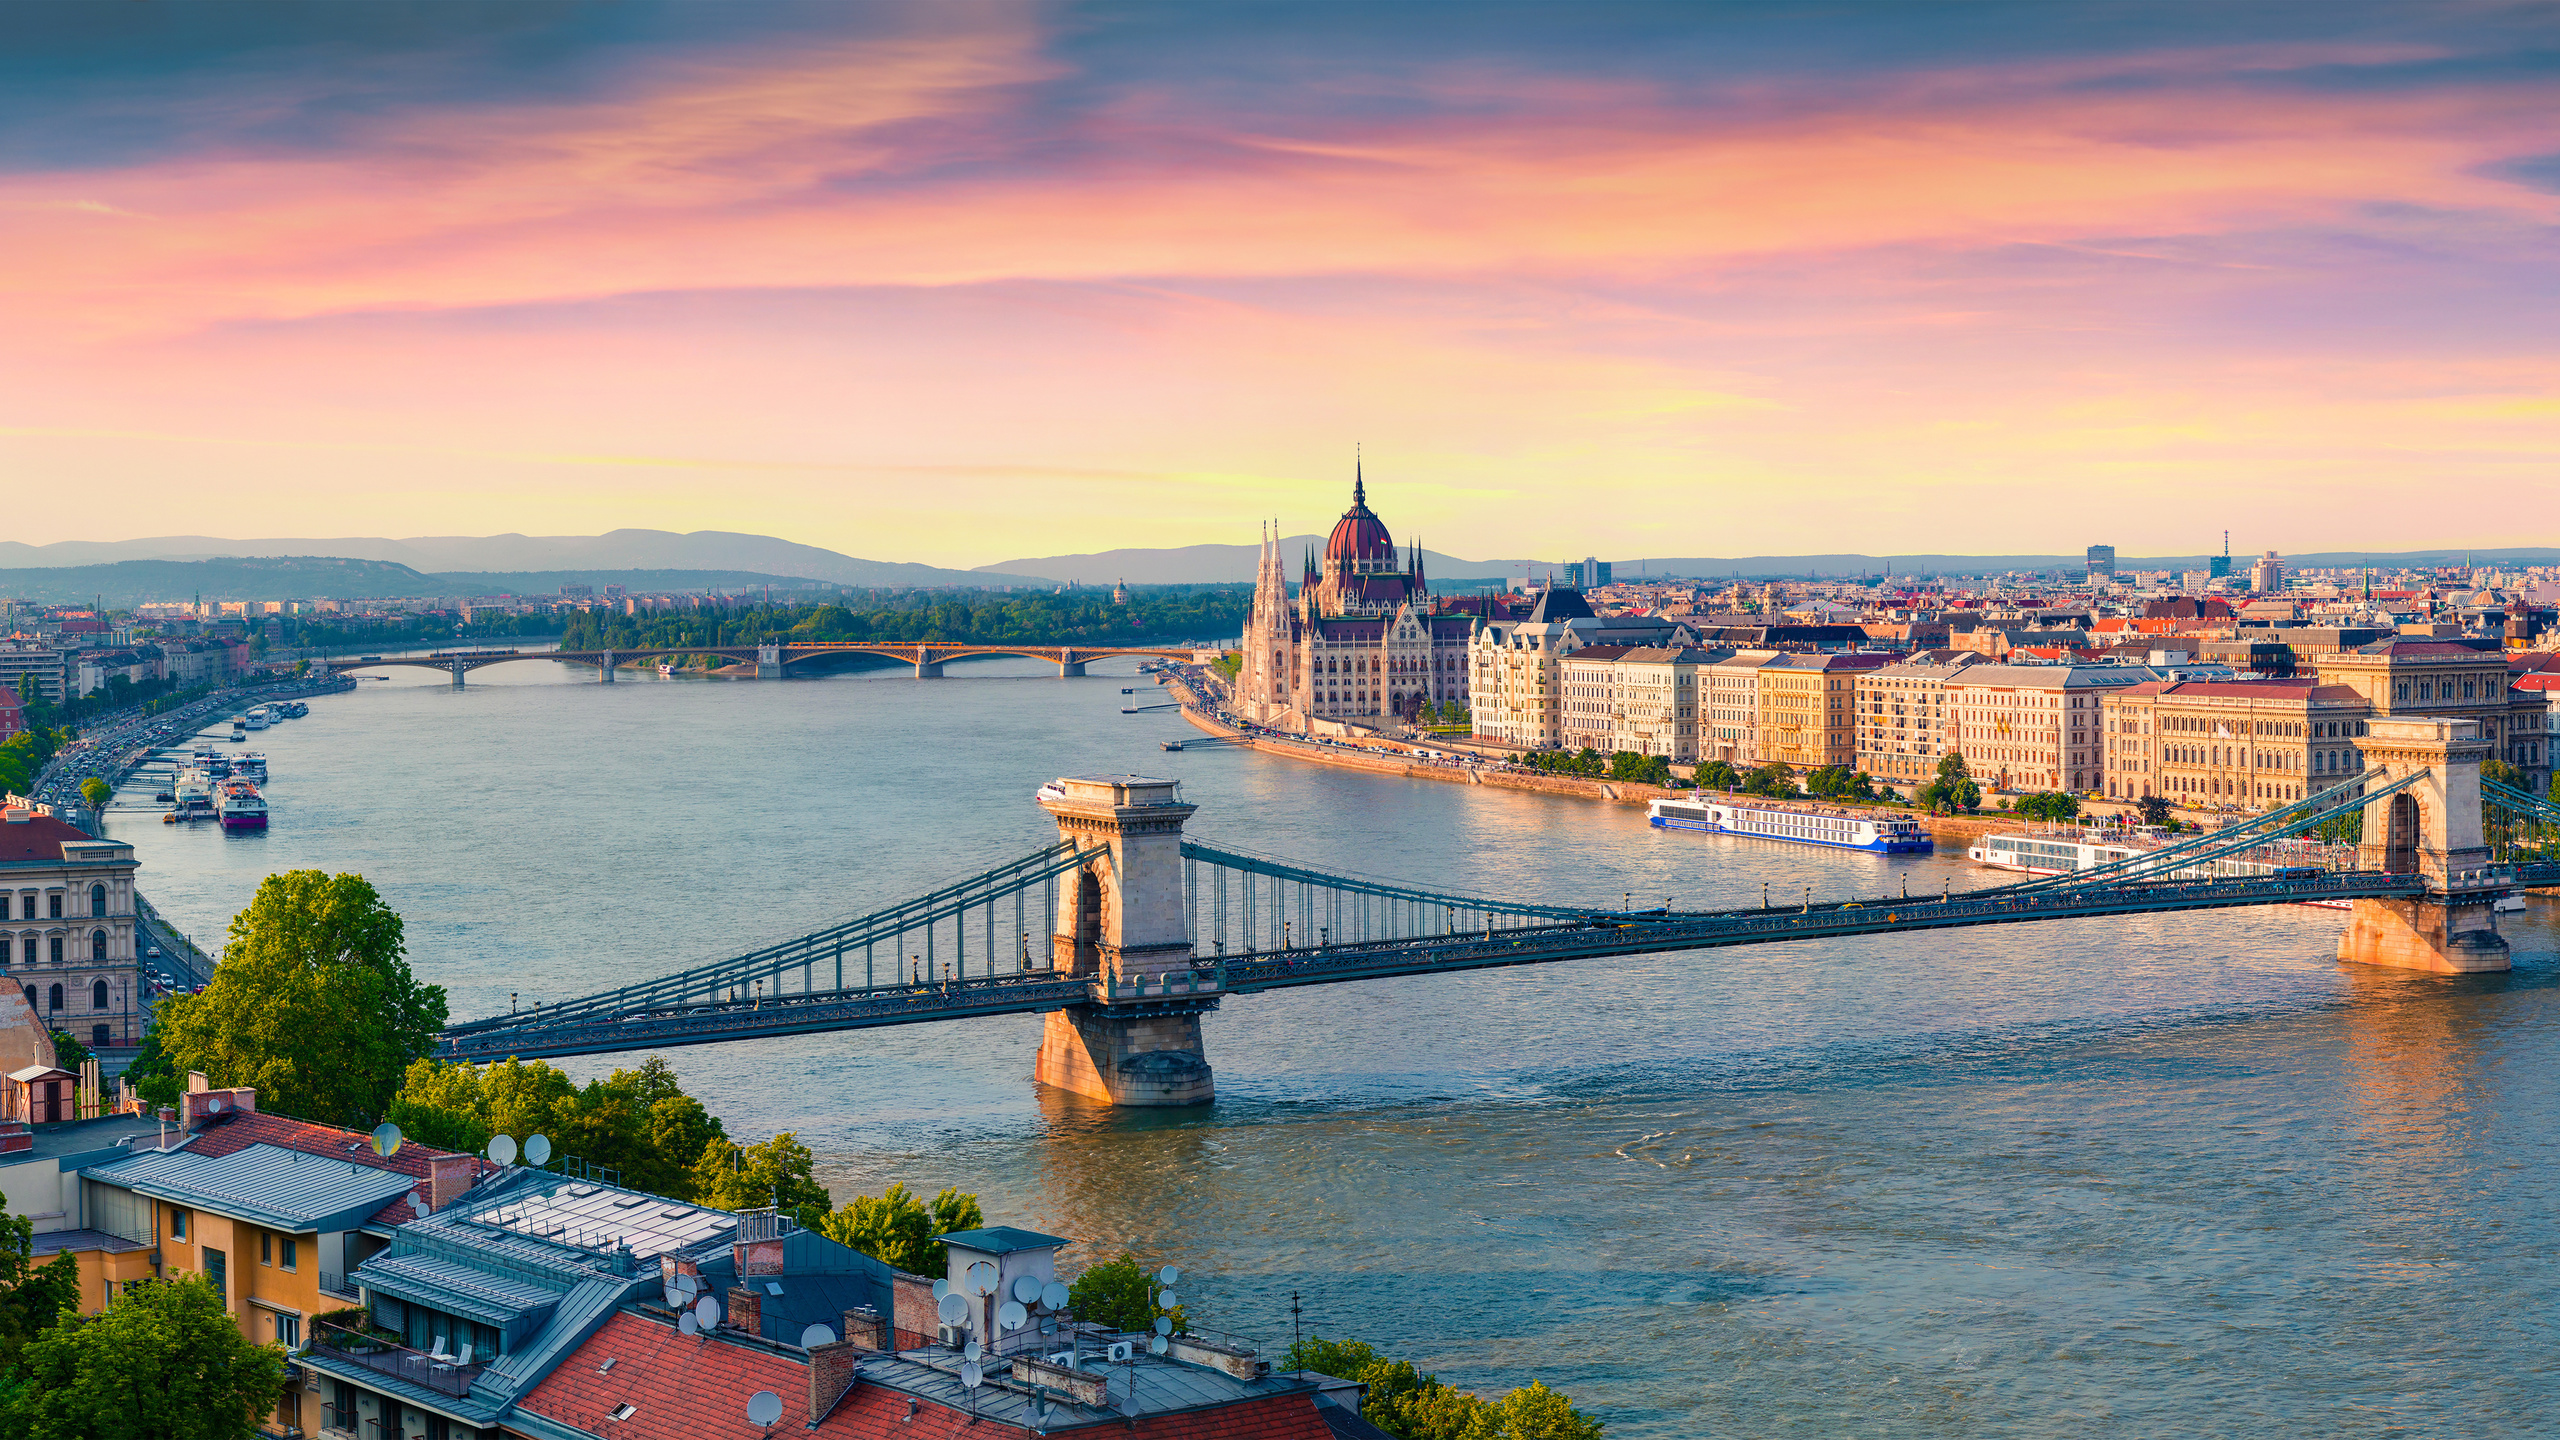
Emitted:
<point x="1360" y="539"/>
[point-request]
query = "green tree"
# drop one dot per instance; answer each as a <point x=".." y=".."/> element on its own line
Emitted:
<point x="776" y="1173"/>
<point x="1952" y="790"/>
<point x="2155" y="809"/>
<point x="1121" y="1293"/>
<point x="2057" y="806"/>
<point x="639" y="1123"/>
<point x="32" y="1296"/>
<point x="899" y="1229"/>
<point x="1715" y="775"/>
<point x="1532" y="1412"/>
<point x="313" y="1004"/>
<point x="151" y="1075"/>
<point x="1773" y="781"/>
<point x="165" y="1363"/>
<point x="1638" y="769"/>
<point x="68" y="1052"/>
<point x="94" y="792"/>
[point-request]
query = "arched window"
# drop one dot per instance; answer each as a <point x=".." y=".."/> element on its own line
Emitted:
<point x="98" y="1037"/>
<point x="57" y="950"/>
<point x="98" y="995"/>
<point x="55" y="997"/>
<point x="97" y="900"/>
<point x="97" y="944"/>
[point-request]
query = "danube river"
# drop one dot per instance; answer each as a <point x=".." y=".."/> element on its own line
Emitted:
<point x="2167" y="1175"/>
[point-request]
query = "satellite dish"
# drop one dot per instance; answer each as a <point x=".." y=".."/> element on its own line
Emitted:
<point x="982" y="1278"/>
<point x="1054" y="1296"/>
<point x="972" y="1351"/>
<point x="687" y="1286"/>
<point x="675" y="1298"/>
<point x="502" y="1148"/>
<point x="385" y="1140"/>
<point x="971" y="1377"/>
<point x="953" y="1309"/>
<point x="941" y="1288"/>
<point x="213" y="1104"/>
<point x="419" y="1205"/>
<point x="1012" y="1316"/>
<point x="537" y="1151"/>
<point x="1158" y="1345"/>
<point x="764" y="1408"/>
<point x="815" y="1336"/>
<point x="686" y="1324"/>
<point x="1164" y="1324"/>
<point x="706" y="1312"/>
<point x="1169" y="1275"/>
<point x="1165" y="1299"/>
<point x="1026" y="1288"/>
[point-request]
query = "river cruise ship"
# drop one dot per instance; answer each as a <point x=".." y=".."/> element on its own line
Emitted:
<point x="256" y="719"/>
<point x="192" y="795"/>
<point x="1796" y="824"/>
<point x="240" y="805"/>
<point x="2063" y="852"/>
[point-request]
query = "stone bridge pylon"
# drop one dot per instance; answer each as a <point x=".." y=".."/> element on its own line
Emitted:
<point x="2432" y="829"/>
<point x="1122" y="928"/>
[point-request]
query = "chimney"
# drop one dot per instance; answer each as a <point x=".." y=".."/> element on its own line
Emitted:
<point x="831" y="1374"/>
<point x="864" y="1327"/>
<point x="746" y="1308"/>
<point x="757" y="1257"/>
<point x="913" y="1303"/>
<point x="448" y="1176"/>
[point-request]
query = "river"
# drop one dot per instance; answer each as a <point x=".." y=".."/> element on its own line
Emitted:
<point x="2180" y="1174"/>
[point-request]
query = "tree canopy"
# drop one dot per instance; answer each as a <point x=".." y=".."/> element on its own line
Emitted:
<point x="776" y="1172"/>
<point x="899" y="1228"/>
<point x="313" y="1003"/>
<point x="2058" y="806"/>
<point x="1411" y="1405"/>
<point x="639" y="1123"/>
<point x="1122" y="1294"/>
<point x="164" y="1363"/>
<point x="1953" y="789"/>
<point x="32" y="1296"/>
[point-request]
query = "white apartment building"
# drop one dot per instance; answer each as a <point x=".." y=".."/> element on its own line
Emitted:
<point x="1660" y="695"/>
<point x="1515" y="667"/>
<point x="1729" y="708"/>
<point x="1903" y="721"/>
<point x="2036" y="727"/>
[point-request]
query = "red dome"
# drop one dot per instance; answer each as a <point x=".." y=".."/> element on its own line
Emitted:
<point x="1358" y="535"/>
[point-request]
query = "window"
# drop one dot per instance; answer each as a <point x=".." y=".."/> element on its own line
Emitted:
<point x="98" y="995"/>
<point x="217" y="1269"/>
<point x="288" y="1330"/>
<point x="266" y="1249"/>
<point x="288" y="1253"/>
<point x="97" y="944"/>
<point x="97" y="900"/>
<point x="54" y="905"/>
<point x="98" y="1037"/>
<point x="57" y="949"/>
<point x="54" y="995"/>
<point x="177" y="1223"/>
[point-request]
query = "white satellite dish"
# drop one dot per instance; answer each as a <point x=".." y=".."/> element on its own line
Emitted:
<point x="952" y="1309"/>
<point x="419" y="1205"/>
<point x="1164" y="1324"/>
<point x="973" y="1351"/>
<point x="1169" y="1275"/>
<point x="971" y="1377"/>
<point x="941" y="1288"/>
<point x="706" y="1312"/>
<point x="1026" y="1288"/>
<point x="764" y="1408"/>
<point x="982" y="1278"/>
<point x="688" y="1286"/>
<point x="1159" y="1345"/>
<point x="686" y="1324"/>
<point x="675" y="1298"/>
<point x="1165" y="1299"/>
<point x="1012" y="1316"/>
<point x="213" y="1104"/>
<point x="502" y="1148"/>
<point x="1054" y="1296"/>
<point x="815" y="1336"/>
<point x="537" y="1151"/>
<point x="385" y="1139"/>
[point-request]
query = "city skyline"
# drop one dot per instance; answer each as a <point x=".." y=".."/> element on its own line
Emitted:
<point x="1611" y="282"/>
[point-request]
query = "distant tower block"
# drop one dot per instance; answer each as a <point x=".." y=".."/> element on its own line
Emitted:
<point x="1121" y="926"/>
<point x="2431" y="829"/>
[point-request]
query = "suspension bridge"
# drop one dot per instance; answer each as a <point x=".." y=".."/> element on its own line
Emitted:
<point x="771" y="661"/>
<point x="1124" y="933"/>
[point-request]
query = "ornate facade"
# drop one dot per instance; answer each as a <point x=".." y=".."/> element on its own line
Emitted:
<point x="1362" y="640"/>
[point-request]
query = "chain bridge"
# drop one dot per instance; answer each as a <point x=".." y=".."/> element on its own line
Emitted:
<point x="1123" y="933"/>
<point x="772" y="660"/>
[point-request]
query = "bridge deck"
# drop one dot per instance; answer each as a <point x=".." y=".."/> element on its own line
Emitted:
<point x="534" y="1035"/>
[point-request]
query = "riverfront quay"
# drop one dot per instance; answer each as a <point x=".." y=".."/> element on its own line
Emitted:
<point x="2180" y="1174"/>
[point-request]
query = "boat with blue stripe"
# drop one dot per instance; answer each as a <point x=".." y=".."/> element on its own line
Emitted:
<point x="1839" y="829"/>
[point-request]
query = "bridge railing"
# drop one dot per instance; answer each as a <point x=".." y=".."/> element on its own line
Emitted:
<point x="1237" y="902"/>
<point x="2201" y="854"/>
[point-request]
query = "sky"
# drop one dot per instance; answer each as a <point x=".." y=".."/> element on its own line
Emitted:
<point x="958" y="282"/>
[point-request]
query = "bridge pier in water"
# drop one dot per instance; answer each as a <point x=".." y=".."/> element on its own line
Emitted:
<point x="1068" y="665"/>
<point x="604" y="663"/>
<point x="927" y="667"/>
<point x="1122" y="928"/>
<point x="768" y="662"/>
<point x="2432" y="829"/>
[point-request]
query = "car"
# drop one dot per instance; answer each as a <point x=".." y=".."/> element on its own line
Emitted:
<point x="152" y="953"/>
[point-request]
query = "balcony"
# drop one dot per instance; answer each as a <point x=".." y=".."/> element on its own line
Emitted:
<point x="375" y="1350"/>
<point x="335" y="1285"/>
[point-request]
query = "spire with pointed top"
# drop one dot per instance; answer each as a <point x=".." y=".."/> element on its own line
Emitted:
<point x="1359" y="484"/>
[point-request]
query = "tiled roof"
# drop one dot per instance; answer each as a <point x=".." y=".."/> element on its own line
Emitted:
<point x="265" y="1184"/>
<point x="240" y="1129"/>
<point x="37" y="837"/>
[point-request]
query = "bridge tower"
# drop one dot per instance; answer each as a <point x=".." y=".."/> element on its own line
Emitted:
<point x="2432" y="829"/>
<point x="768" y="662"/>
<point x="604" y="664"/>
<point x="1121" y="927"/>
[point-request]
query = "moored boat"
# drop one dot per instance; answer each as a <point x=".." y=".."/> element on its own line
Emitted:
<point x="1835" y="827"/>
<point x="240" y="805"/>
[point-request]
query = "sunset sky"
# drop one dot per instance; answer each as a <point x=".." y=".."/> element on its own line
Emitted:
<point x="957" y="283"/>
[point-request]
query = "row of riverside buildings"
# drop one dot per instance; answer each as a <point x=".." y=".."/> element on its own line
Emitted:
<point x="1362" y="640"/>
<point x="430" y="1295"/>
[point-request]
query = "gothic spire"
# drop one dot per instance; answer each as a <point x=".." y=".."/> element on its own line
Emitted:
<point x="1359" y="486"/>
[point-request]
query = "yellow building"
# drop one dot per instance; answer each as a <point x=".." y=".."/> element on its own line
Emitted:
<point x="1806" y="719"/>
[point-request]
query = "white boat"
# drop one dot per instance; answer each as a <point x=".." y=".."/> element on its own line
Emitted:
<point x="1838" y="828"/>
<point x="1051" y="791"/>
<point x="239" y="805"/>
<point x="192" y="795"/>
<point x="256" y="719"/>
<point x="2064" y="852"/>
<point x="252" y="763"/>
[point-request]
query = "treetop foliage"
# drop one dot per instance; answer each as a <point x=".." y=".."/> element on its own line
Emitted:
<point x="1077" y="617"/>
<point x="901" y="1229"/>
<point x="1411" y="1405"/>
<point x="1121" y="1293"/>
<point x="164" y="1363"/>
<point x="313" y="1004"/>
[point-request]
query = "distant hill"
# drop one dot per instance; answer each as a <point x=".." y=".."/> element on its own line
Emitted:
<point x="1204" y="565"/>
<point x="663" y="550"/>
<point x="126" y="583"/>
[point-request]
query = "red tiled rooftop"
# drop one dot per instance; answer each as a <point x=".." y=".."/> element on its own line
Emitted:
<point x="37" y="837"/>
<point x="239" y="1129"/>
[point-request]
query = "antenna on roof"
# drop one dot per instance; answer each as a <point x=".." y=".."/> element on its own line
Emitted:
<point x="764" y="1408"/>
<point x="502" y="1148"/>
<point x="537" y="1151"/>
